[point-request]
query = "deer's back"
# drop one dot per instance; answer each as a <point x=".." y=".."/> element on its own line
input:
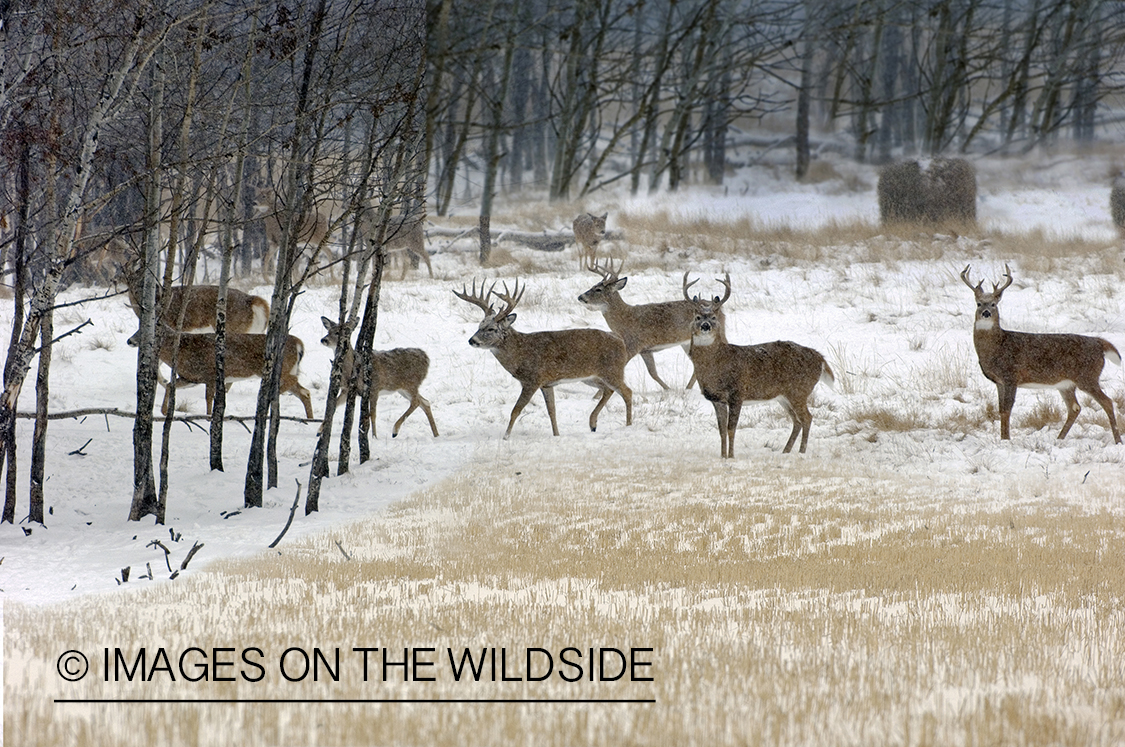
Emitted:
<point x="758" y="372"/>
<point x="556" y="355"/>
<point x="1047" y="359"/>
<point x="399" y="368"/>
<point x="653" y="325"/>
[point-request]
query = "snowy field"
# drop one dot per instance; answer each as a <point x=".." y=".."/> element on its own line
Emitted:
<point x="890" y="314"/>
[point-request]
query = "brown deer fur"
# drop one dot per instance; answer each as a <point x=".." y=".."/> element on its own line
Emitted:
<point x="246" y="314"/>
<point x="245" y="358"/>
<point x="1013" y="359"/>
<point x="399" y="370"/>
<point x="732" y="374"/>
<point x="589" y="230"/>
<point x="645" y="328"/>
<point x="541" y="360"/>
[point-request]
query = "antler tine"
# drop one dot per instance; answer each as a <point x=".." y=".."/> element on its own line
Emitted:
<point x="510" y="298"/>
<point x="965" y="278"/>
<point x="726" y="284"/>
<point x="477" y="299"/>
<point x="1007" y="274"/>
<point x="688" y="285"/>
<point x="606" y="271"/>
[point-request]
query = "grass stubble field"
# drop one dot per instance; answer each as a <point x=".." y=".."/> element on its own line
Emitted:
<point x="786" y="600"/>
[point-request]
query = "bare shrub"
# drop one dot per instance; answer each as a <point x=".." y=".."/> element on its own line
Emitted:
<point x="947" y="192"/>
<point x="1117" y="202"/>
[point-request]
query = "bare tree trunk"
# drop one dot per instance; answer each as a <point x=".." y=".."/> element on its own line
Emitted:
<point x="23" y="191"/>
<point x="145" y="499"/>
<point x="39" y="440"/>
<point x="491" y="150"/>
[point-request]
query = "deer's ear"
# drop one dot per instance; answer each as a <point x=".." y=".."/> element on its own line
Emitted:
<point x="506" y="322"/>
<point x="620" y="284"/>
<point x="327" y="323"/>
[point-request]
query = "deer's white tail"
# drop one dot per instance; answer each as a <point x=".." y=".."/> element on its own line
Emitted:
<point x="826" y="376"/>
<point x="1111" y="353"/>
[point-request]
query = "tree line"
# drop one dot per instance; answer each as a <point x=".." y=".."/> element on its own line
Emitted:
<point x="151" y="133"/>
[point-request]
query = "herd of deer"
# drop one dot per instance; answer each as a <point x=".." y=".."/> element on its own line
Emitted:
<point x="728" y="374"/>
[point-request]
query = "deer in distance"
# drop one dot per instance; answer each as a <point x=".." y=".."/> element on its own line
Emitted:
<point x="589" y="230"/>
<point x="246" y="314"/>
<point x="399" y="370"/>
<point x="645" y="328"/>
<point x="542" y="360"/>
<point x="245" y="358"/>
<point x="405" y="240"/>
<point x="314" y="230"/>
<point x="729" y="375"/>
<point x="1060" y="361"/>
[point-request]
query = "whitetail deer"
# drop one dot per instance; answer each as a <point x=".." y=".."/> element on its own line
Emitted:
<point x="314" y="230"/>
<point x="732" y="374"/>
<point x="245" y="358"/>
<point x="399" y="370"/>
<point x="405" y="241"/>
<point x="589" y="230"/>
<point x="645" y="328"/>
<point x="1061" y="361"/>
<point x="246" y="314"/>
<point x="541" y="360"/>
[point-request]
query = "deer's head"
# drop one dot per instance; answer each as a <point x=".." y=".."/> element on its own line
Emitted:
<point x="988" y="304"/>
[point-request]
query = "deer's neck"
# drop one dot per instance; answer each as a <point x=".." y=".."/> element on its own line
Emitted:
<point x="988" y="339"/>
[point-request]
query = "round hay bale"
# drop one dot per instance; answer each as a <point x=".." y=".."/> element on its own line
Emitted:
<point x="951" y="191"/>
<point x="902" y="193"/>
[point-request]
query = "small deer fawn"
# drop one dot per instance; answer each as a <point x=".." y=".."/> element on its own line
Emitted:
<point x="732" y="374"/>
<point x="589" y="230"/>
<point x="400" y="370"/>
<point x="245" y="358"/>
<point x="645" y="328"/>
<point x="1013" y="359"/>
<point x="541" y="360"/>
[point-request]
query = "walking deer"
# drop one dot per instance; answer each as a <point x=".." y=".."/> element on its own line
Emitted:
<point x="732" y="374"/>
<point x="589" y="230"/>
<point x="1061" y="361"/>
<point x="399" y="370"/>
<point x="245" y="358"/>
<point x="645" y="328"/>
<point x="246" y="314"/>
<point x="541" y="360"/>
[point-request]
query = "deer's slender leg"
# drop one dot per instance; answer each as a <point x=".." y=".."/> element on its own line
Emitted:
<point x="525" y="396"/>
<point x="549" y="400"/>
<point x="1070" y="401"/>
<point x="650" y="364"/>
<point x="1007" y="394"/>
<point x="1107" y="404"/>
<point x="735" y="408"/>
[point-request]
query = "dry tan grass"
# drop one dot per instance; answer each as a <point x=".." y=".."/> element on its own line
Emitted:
<point x="783" y="608"/>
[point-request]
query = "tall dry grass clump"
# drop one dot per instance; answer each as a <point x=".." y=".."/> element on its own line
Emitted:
<point x="945" y="194"/>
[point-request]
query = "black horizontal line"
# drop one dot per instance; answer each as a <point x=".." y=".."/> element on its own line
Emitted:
<point x="212" y="701"/>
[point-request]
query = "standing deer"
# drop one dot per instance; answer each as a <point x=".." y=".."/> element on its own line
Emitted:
<point x="313" y="232"/>
<point x="1061" y="361"/>
<point x="406" y="240"/>
<point x="645" y="328"/>
<point x="246" y="314"/>
<point x="541" y="360"/>
<point x="732" y="374"/>
<point x="399" y="370"/>
<point x="245" y="358"/>
<point x="589" y="230"/>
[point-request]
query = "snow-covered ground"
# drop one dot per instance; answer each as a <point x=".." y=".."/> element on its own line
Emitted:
<point x="909" y="401"/>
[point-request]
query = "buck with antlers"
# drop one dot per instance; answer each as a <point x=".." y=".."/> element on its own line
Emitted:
<point x="541" y="360"/>
<point x="246" y="314"/>
<point x="245" y="358"/>
<point x="645" y="328"/>
<point x="1061" y="361"/>
<point x="400" y="370"/>
<point x="732" y="374"/>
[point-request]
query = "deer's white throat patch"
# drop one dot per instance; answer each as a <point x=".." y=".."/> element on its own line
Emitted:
<point x="985" y="324"/>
